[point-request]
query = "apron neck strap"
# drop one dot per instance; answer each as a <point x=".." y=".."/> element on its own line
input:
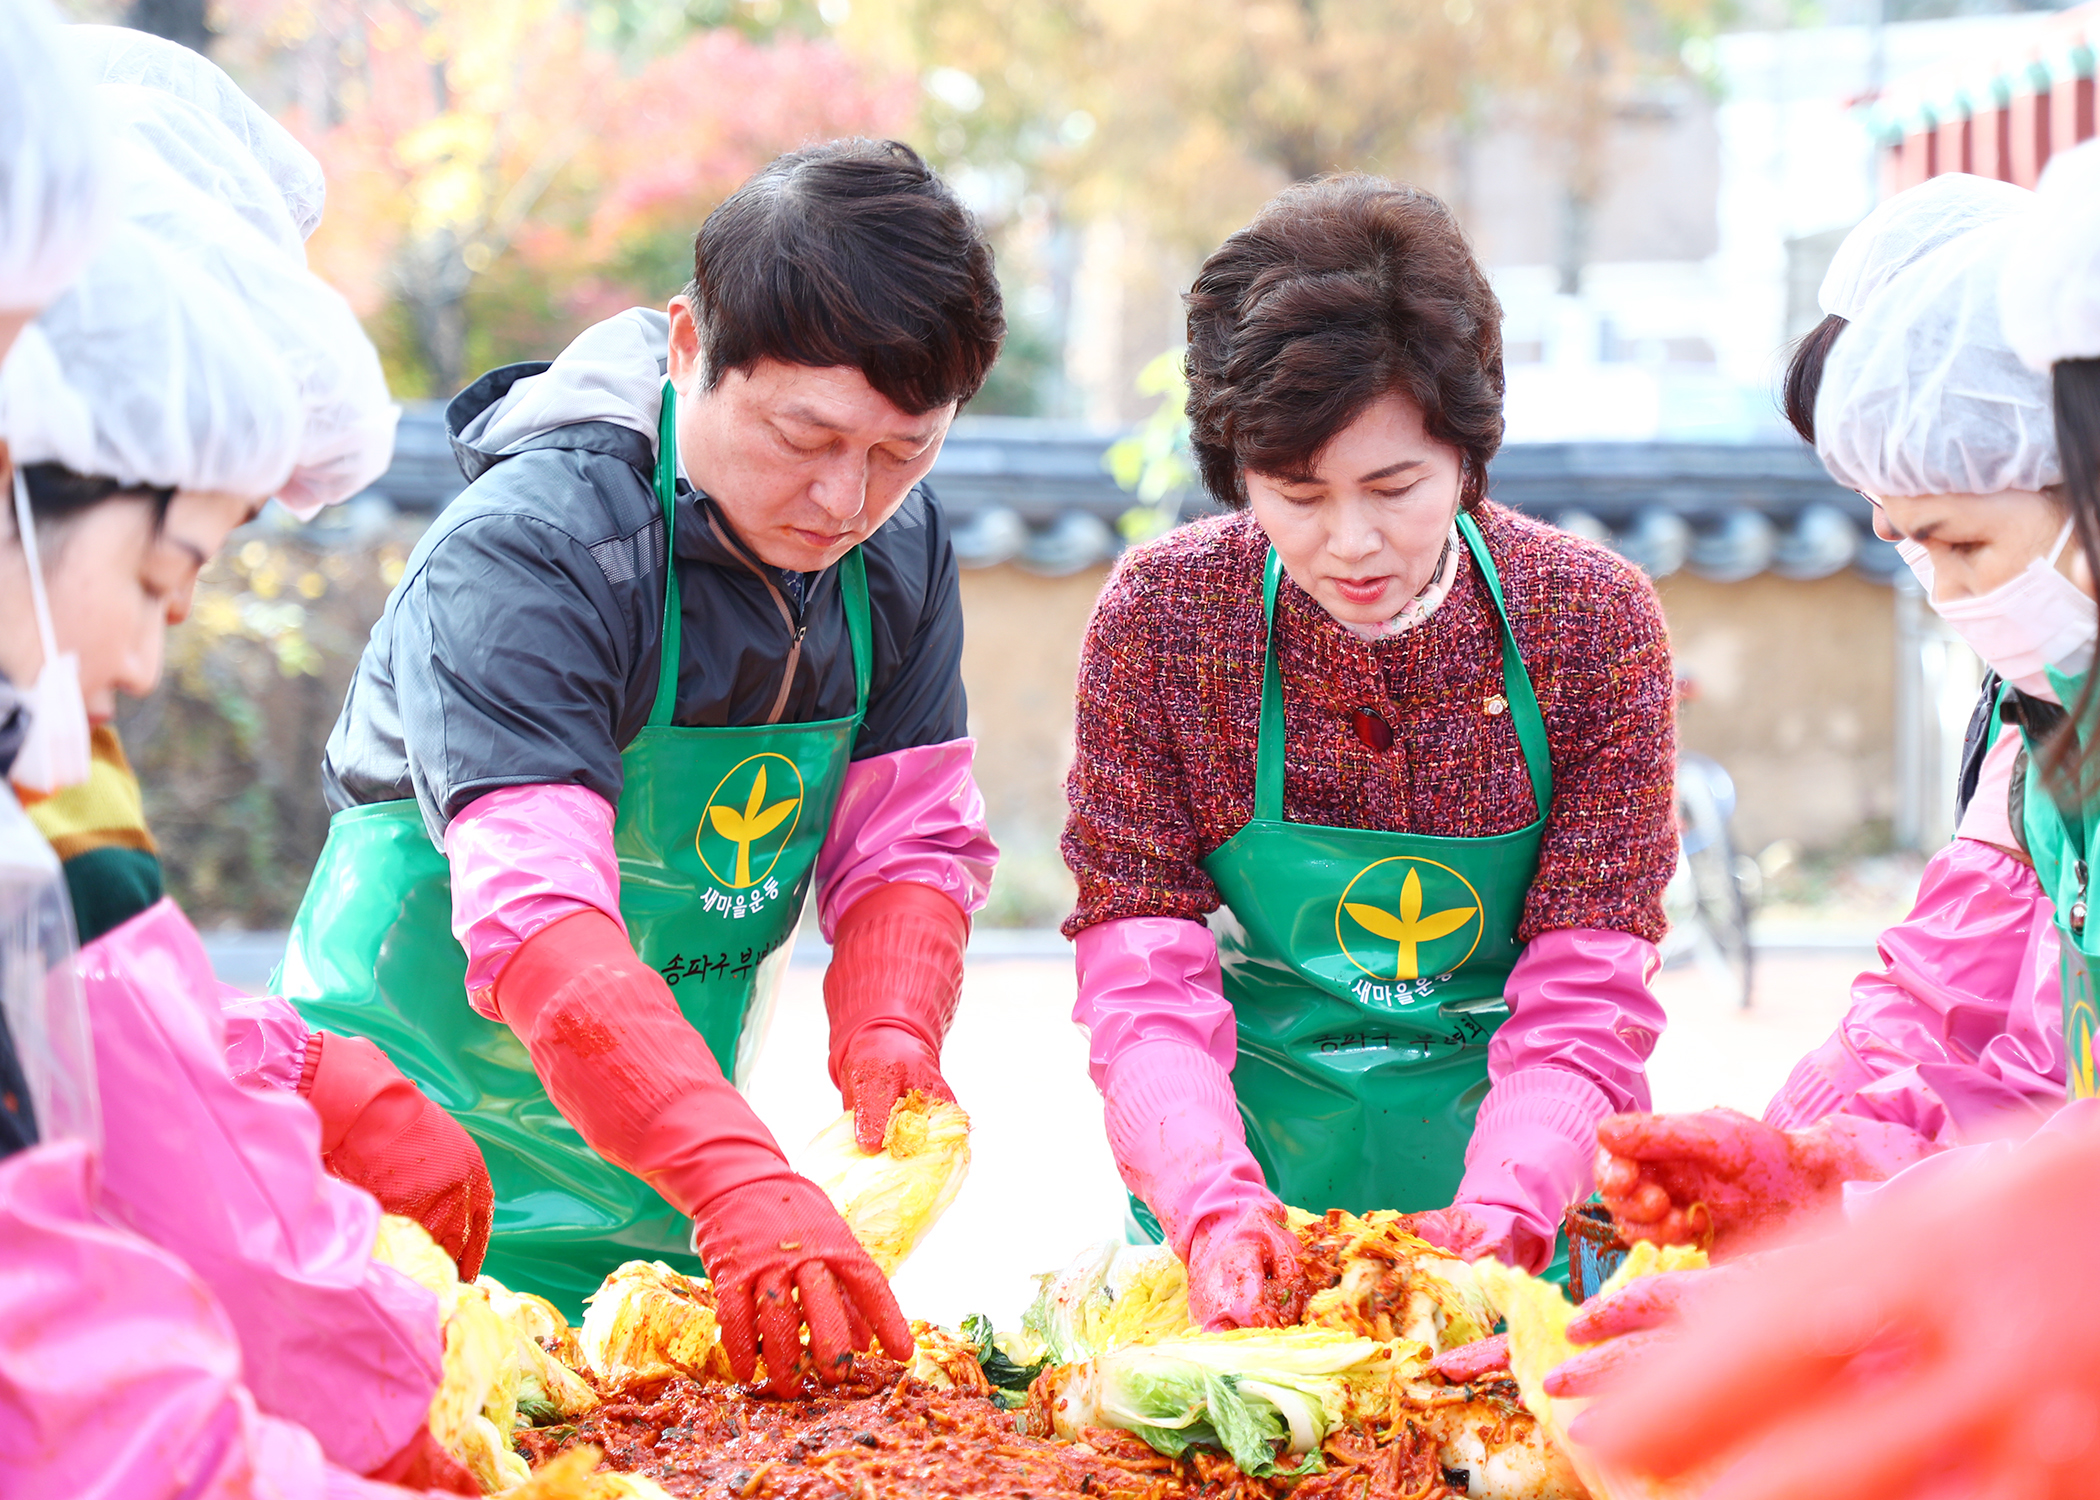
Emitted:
<point x="1516" y="686"/>
<point x="853" y="584"/>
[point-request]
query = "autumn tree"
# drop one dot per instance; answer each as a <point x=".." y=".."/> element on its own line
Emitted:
<point x="1196" y="110"/>
<point x="521" y="143"/>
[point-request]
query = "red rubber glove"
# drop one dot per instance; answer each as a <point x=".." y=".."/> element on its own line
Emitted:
<point x="1244" y="1273"/>
<point x="1724" y="1180"/>
<point x="895" y="979"/>
<point x="423" y="1465"/>
<point x="1626" y="1328"/>
<point x="379" y="1132"/>
<point x="780" y="1255"/>
<point x="1946" y="1343"/>
<point x="623" y="1065"/>
<point x="1468" y="1362"/>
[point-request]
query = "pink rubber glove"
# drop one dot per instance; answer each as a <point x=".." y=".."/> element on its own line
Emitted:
<point x="1245" y="1272"/>
<point x="120" y="1376"/>
<point x="265" y="1040"/>
<point x="1721" y="1179"/>
<point x="1469" y="1362"/>
<point x="895" y="979"/>
<point x="523" y="858"/>
<point x="912" y="815"/>
<point x="1958" y="1036"/>
<point x="1575" y="1049"/>
<point x="1946" y="1344"/>
<point x="230" y="1181"/>
<point x="1161" y="1044"/>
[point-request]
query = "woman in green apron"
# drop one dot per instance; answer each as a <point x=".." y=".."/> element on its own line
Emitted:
<point x="688" y="647"/>
<point x="1955" y="1037"/>
<point x="1371" y="801"/>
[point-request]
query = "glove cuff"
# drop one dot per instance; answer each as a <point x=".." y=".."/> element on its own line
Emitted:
<point x="896" y="960"/>
<point x="1174" y="1126"/>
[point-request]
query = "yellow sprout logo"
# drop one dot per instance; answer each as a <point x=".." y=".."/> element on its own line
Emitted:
<point x="1382" y="916"/>
<point x="738" y="813"/>
<point x="2078" y="1050"/>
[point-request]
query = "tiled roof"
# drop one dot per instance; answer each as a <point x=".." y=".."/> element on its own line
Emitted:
<point x="1036" y="494"/>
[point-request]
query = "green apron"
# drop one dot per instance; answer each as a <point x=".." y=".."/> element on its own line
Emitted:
<point x="1366" y="969"/>
<point x="717" y="834"/>
<point x="2059" y="844"/>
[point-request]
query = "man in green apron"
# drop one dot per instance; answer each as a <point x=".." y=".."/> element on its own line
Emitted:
<point x="1371" y="808"/>
<point x="688" y="645"/>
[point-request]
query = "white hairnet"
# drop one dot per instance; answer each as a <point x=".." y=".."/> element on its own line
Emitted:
<point x="197" y="184"/>
<point x="1922" y="395"/>
<point x="151" y="372"/>
<point x="1909" y="226"/>
<point x="118" y="61"/>
<point x="53" y="203"/>
<point x="208" y="198"/>
<point x="2051" y="287"/>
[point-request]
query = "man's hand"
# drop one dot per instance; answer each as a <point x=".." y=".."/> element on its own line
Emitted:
<point x="1244" y="1272"/>
<point x="780" y="1256"/>
<point x="881" y="1066"/>
<point x="895" y="977"/>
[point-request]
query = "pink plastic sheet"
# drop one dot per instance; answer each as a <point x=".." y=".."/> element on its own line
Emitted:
<point x="229" y="1180"/>
<point x="120" y="1376"/>
<point x="1959" y="1035"/>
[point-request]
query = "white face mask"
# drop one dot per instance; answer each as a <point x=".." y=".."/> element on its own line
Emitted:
<point x="2035" y="620"/>
<point x="56" y="752"/>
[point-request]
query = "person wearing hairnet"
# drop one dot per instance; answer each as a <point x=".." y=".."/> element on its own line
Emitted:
<point x="244" y="169"/>
<point x="1956" y="1038"/>
<point x="275" y="390"/>
<point x="1953" y="1038"/>
<point x="122" y="1374"/>
<point x="689" y="644"/>
<point x="55" y="203"/>
<point x="1973" y="1366"/>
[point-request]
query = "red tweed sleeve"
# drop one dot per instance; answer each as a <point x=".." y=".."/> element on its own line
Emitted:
<point x="1131" y="841"/>
<point x="1610" y="839"/>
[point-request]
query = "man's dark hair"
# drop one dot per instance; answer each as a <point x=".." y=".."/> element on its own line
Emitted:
<point x="1804" y="375"/>
<point x="1341" y="291"/>
<point x="850" y="253"/>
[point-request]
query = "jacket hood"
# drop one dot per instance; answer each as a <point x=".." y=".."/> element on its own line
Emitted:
<point x="611" y="376"/>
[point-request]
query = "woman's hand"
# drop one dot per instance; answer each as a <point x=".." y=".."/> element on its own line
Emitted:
<point x="1948" y="1343"/>
<point x="1716" y="1178"/>
<point x="1244" y="1272"/>
<point x="1453" y="1229"/>
<point x="1626" y="1328"/>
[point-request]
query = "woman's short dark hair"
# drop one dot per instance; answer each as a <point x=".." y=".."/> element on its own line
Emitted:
<point x="58" y="496"/>
<point x="1342" y="290"/>
<point x="1804" y="375"/>
<point x="850" y="253"/>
